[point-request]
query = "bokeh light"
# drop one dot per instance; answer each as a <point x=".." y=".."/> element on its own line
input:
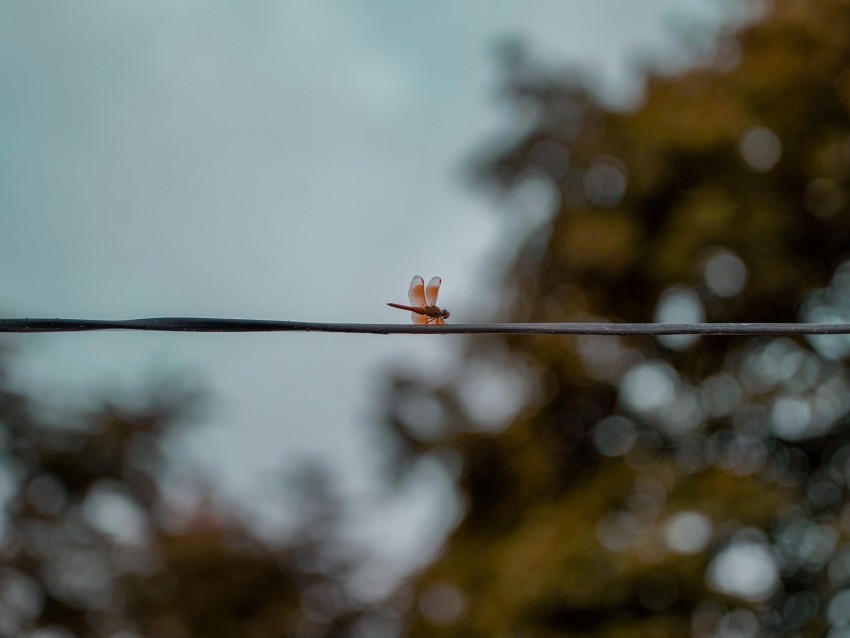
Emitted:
<point x="688" y="532"/>
<point x="760" y="148"/>
<point x="443" y="604"/>
<point x="725" y="273"/>
<point x="745" y="568"/>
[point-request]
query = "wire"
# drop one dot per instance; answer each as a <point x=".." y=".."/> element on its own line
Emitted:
<point x="199" y="324"/>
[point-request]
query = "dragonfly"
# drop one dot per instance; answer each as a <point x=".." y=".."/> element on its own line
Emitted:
<point x="423" y="302"/>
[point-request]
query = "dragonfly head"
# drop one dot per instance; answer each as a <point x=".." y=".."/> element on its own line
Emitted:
<point x="445" y="314"/>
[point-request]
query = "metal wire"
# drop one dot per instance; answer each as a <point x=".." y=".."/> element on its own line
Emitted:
<point x="200" y="324"/>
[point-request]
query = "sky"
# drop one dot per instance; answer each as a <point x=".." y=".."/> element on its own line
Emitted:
<point x="278" y="160"/>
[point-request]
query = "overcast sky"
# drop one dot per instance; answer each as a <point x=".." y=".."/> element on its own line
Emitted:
<point x="284" y="160"/>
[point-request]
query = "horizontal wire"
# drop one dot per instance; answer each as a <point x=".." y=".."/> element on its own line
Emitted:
<point x="200" y="324"/>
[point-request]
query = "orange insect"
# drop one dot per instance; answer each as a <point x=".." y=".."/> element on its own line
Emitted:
<point x="423" y="302"/>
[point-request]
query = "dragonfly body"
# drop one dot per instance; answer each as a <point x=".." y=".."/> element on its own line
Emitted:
<point x="423" y="302"/>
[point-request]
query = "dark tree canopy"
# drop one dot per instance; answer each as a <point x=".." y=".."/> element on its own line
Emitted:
<point x="671" y="486"/>
<point x="92" y="546"/>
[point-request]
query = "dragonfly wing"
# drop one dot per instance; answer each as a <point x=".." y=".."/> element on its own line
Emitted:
<point x="432" y="291"/>
<point x="416" y="294"/>
<point x="417" y="318"/>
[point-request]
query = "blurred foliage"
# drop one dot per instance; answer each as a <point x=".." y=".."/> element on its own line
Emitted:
<point x="92" y="545"/>
<point x="672" y="486"/>
<point x="609" y="486"/>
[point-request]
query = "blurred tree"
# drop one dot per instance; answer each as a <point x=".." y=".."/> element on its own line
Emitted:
<point x="91" y="546"/>
<point x="672" y="486"/>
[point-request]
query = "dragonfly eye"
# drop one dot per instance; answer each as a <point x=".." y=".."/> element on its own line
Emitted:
<point x="446" y="314"/>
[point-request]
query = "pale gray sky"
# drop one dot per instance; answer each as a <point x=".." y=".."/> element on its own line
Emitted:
<point x="288" y="160"/>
